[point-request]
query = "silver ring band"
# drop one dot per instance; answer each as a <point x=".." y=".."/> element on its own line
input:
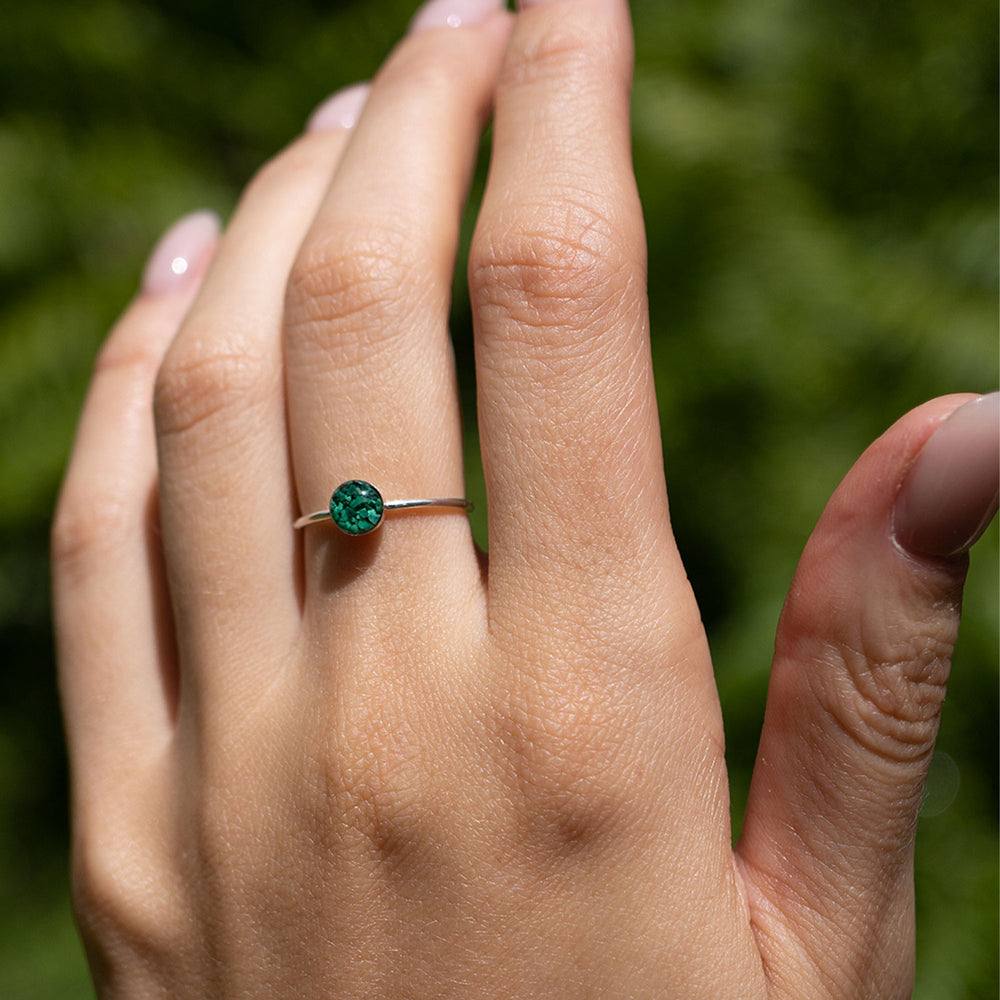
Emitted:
<point x="357" y="507"/>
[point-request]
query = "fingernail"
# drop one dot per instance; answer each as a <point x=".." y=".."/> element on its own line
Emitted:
<point x="178" y="258"/>
<point x="949" y="495"/>
<point x="454" y="13"/>
<point x="340" y="110"/>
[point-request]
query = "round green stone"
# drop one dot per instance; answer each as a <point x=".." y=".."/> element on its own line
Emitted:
<point x="356" y="507"/>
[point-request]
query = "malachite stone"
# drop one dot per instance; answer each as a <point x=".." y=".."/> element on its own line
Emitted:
<point x="356" y="507"/>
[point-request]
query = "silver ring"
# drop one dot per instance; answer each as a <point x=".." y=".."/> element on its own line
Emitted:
<point x="357" y="507"/>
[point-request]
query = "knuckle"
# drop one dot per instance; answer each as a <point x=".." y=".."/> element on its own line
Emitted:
<point x="889" y="700"/>
<point x="137" y="357"/>
<point x="207" y="376"/>
<point x="567" y="760"/>
<point x="376" y="781"/>
<point x="118" y="902"/>
<point x="87" y="529"/>
<point x="900" y="700"/>
<point x="562" y="52"/>
<point x="364" y="280"/>
<point x="554" y="267"/>
<point x="428" y="67"/>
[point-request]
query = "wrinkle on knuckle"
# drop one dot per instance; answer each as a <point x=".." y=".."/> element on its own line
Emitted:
<point x="563" y="53"/>
<point x="216" y="377"/>
<point x="562" y="268"/>
<point x="889" y="701"/>
<point x="355" y="290"/>
<point x="134" y="357"/>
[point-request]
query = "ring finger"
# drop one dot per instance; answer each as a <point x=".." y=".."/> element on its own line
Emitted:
<point x="370" y="375"/>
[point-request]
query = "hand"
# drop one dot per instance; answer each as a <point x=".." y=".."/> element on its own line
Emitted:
<point x="308" y="765"/>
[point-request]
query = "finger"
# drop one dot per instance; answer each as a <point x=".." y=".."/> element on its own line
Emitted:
<point x="587" y="601"/>
<point x="567" y="410"/>
<point x="862" y="657"/>
<point x="580" y="539"/>
<point x="225" y="487"/>
<point x="112" y="621"/>
<point x="370" y="373"/>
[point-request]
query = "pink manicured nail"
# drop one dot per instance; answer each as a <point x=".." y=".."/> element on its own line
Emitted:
<point x="340" y="110"/>
<point x="178" y="258"/>
<point x="454" y="13"/>
<point x="949" y="495"/>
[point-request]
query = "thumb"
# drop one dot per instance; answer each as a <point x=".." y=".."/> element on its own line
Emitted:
<point x="861" y="661"/>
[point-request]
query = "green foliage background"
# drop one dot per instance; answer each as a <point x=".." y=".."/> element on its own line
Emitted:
<point x="820" y="187"/>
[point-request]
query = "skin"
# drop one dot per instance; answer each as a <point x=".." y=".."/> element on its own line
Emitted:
<point x="313" y="766"/>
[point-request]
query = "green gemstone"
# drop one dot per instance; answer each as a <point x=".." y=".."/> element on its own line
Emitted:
<point x="356" y="507"/>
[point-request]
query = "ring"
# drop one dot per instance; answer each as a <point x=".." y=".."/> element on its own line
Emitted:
<point x="357" y="507"/>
